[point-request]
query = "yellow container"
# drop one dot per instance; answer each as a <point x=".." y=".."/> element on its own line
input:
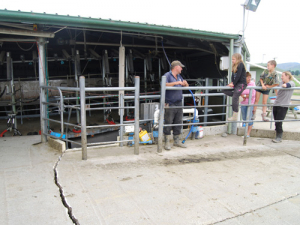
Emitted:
<point x="144" y="136"/>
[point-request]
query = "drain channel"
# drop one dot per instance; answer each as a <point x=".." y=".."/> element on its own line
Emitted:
<point x="61" y="193"/>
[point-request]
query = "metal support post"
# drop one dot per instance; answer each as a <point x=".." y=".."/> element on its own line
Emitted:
<point x="83" y="117"/>
<point x="10" y="76"/>
<point x="77" y="74"/>
<point x="121" y="101"/>
<point x="126" y="71"/>
<point x="145" y="77"/>
<point x="136" y="114"/>
<point x="206" y="101"/>
<point x="159" y="69"/>
<point x="42" y="82"/>
<point x="229" y="100"/>
<point x="161" y="114"/>
<point x="121" y="70"/>
<point x="103" y="84"/>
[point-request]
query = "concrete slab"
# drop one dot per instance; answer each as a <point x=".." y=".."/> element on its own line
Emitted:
<point x="216" y="179"/>
<point x="27" y="190"/>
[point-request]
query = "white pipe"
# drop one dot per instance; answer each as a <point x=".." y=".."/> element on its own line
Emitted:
<point x="156" y="117"/>
<point x="191" y="111"/>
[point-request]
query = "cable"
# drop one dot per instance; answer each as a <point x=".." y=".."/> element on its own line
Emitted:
<point x="162" y="44"/>
<point x="3" y="91"/>
<point x="26" y="50"/>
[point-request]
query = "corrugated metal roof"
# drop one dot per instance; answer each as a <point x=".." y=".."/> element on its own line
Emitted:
<point x="84" y="22"/>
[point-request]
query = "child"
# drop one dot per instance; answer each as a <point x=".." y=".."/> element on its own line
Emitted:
<point x="238" y="83"/>
<point x="245" y="95"/>
<point x="268" y="79"/>
<point x="281" y="103"/>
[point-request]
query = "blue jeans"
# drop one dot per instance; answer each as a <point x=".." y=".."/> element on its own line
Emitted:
<point x="244" y="113"/>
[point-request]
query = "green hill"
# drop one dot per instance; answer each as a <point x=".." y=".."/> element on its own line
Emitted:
<point x="289" y="66"/>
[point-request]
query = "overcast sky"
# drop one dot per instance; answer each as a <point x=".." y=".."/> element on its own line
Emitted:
<point x="272" y="31"/>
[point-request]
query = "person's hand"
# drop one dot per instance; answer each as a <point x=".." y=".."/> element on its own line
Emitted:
<point x="179" y="83"/>
<point x="185" y="83"/>
<point x="264" y="87"/>
<point x="230" y="85"/>
<point x="284" y="86"/>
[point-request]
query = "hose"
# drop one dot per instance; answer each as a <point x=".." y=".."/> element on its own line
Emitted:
<point x="193" y="119"/>
<point x="162" y="43"/>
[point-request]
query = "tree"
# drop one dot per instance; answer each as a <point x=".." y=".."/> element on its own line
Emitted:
<point x="297" y="72"/>
<point x="293" y="72"/>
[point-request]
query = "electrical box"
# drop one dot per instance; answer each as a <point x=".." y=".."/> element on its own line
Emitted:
<point x="224" y="63"/>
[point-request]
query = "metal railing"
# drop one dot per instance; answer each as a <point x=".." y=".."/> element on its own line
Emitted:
<point x="136" y="98"/>
<point x="207" y="88"/>
<point x="83" y="109"/>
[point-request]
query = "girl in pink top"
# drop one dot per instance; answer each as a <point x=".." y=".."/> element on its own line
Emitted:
<point x="244" y="103"/>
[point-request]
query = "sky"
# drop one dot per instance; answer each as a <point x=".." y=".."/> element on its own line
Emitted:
<point x="272" y="31"/>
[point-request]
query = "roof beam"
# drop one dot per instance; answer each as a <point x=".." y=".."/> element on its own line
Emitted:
<point x="27" y="33"/>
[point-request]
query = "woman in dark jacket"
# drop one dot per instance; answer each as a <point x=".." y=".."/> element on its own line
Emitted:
<point x="238" y="83"/>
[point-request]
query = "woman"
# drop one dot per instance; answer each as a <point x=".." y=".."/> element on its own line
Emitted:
<point x="238" y="83"/>
<point x="268" y="79"/>
<point x="245" y="95"/>
<point x="282" y="102"/>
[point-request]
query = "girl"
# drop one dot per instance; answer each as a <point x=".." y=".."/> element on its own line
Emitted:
<point x="281" y="103"/>
<point x="245" y="95"/>
<point x="238" y="83"/>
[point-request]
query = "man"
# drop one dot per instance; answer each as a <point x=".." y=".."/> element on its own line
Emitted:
<point x="174" y="98"/>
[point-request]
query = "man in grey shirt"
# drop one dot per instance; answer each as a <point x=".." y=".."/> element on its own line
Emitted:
<point x="282" y="102"/>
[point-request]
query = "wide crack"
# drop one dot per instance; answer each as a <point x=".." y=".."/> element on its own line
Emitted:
<point x="61" y="192"/>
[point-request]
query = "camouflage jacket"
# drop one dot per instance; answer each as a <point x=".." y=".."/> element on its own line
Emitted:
<point x="268" y="78"/>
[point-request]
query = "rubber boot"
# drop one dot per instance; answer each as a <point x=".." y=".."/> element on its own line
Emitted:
<point x="263" y="116"/>
<point x="234" y="117"/>
<point x="167" y="142"/>
<point x="278" y="138"/>
<point x="177" y="141"/>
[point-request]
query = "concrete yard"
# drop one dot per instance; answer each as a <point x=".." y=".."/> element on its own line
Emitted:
<point x="216" y="180"/>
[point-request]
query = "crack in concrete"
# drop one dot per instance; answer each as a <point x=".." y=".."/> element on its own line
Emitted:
<point x="61" y="192"/>
<point x="251" y="211"/>
<point x="292" y="155"/>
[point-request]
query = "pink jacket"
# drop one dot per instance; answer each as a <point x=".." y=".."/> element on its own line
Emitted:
<point x="247" y="91"/>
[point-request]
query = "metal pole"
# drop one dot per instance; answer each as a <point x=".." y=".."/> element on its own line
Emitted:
<point x="229" y="100"/>
<point x="145" y="77"/>
<point x="161" y="114"/>
<point x="121" y="100"/>
<point x="121" y="70"/>
<point x="103" y="84"/>
<point x="244" y="12"/>
<point x="77" y="74"/>
<point x="159" y="69"/>
<point x="42" y="77"/>
<point x="136" y="114"/>
<point x="10" y="76"/>
<point x="83" y="117"/>
<point x="61" y="113"/>
<point x="206" y="101"/>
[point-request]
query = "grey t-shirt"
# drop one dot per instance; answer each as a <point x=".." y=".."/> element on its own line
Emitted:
<point x="284" y="96"/>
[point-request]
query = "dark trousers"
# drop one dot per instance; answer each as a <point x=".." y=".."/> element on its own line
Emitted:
<point x="173" y="116"/>
<point x="279" y="114"/>
<point x="235" y="94"/>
